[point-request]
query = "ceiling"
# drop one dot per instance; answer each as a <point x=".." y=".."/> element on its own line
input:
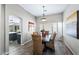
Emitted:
<point x="37" y="9"/>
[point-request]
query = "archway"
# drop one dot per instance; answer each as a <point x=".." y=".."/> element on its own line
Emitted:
<point x="15" y="32"/>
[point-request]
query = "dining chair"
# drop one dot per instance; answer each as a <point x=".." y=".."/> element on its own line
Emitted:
<point x="35" y="33"/>
<point x="37" y="45"/>
<point x="51" y="43"/>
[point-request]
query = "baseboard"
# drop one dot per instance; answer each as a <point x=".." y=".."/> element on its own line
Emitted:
<point x="26" y="42"/>
<point x="68" y="46"/>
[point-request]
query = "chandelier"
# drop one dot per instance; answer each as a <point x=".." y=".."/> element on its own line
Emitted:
<point x="43" y="17"/>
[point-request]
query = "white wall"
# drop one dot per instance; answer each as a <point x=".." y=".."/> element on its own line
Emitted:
<point x="72" y="42"/>
<point x="53" y="23"/>
<point x="18" y="11"/>
<point x="1" y="29"/>
<point x="69" y="10"/>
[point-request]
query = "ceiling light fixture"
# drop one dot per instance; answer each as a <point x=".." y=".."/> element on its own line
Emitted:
<point x="43" y="17"/>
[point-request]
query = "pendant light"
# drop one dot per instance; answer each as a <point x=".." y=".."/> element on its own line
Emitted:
<point x="43" y="17"/>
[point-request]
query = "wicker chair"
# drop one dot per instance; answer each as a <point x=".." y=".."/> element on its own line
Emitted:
<point x="37" y="44"/>
<point x="51" y="42"/>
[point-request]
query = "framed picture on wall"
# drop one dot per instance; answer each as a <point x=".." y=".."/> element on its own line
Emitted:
<point x="30" y="26"/>
<point x="71" y="25"/>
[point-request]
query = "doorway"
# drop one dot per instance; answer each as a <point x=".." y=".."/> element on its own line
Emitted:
<point x="15" y="32"/>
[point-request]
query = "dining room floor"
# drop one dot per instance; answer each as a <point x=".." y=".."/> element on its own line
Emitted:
<point x="27" y="49"/>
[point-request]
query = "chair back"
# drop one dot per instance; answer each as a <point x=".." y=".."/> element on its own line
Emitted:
<point x="35" y="33"/>
<point x="37" y="44"/>
<point x="51" y="42"/>
<point x="54" y="36"/>
<point x="45" y="33"/>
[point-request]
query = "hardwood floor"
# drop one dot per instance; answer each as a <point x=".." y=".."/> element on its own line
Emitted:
<point x="27" y="49"/>
<point x="21" y="49"/>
